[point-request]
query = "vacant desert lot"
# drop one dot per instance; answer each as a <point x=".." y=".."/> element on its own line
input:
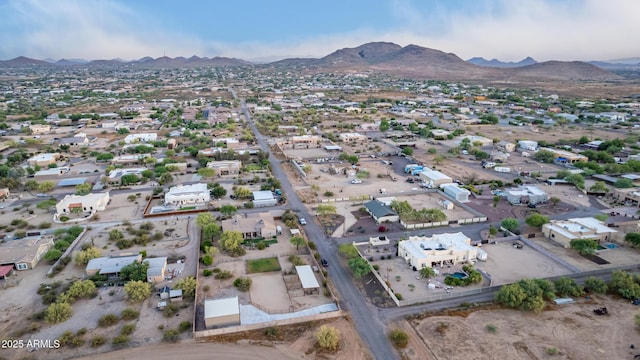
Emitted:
<point x="568" y="331"/>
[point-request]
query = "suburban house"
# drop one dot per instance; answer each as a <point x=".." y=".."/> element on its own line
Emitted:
<point x="75" y="141"/>
<point x="110" y="265"/>
<point x="456" y="192"/>
<point x="127" y="159"/>
<point x="156" y="270"/>
<point x="563" y="231"/>
<point x="439" y="250"/>
<point x="474" y="139"/>
<point x="117" y="174"/>
<point x="352" y="137"/>
<point x="528" y="145"/>
<point x="381" y="212"/>
<point x="82" y="203"/>
<point x="527" y="194"/>
<point x="440" y="134"/>
<point x="142" y="137"/>
<point x="263" y="198"/>
<point x="252" y="226"/>
<point x="221" y="312"/>
<point x="187" y="195"/>
<point x="45" y="159"/>
<point x="37" y="129"/>
<point x="563" y="156"/>
<point x="630" y="197"/>
<point x="305" y="141"/>
<point x="172" y="143"/>
<point x="434" y="178"/>
<point x="225" y="167"/>
<point x="506" y="146"/>
<point x="26" y="253"/>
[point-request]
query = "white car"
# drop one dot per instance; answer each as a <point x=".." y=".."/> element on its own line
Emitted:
<point x="356" y="181"/>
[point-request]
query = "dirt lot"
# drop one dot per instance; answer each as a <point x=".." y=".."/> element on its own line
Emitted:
<point x="298" y="345"/>
<point x="560" y="332"/>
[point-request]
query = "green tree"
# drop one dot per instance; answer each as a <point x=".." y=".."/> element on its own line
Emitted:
<point x="83" y="189"/>
<point x="53" y="255"/>
<point x="584" y="246"/>
<point x="82" y="289"/>
<point x="242" y="192"/>
<point x="137" y="291"/>
<point x="83" y="257"/>
<point x="545" y="156"/>
<point x="554" y="200"/>
<point x="593" y="284"/>
<point x="165" y="178"/>
<point x="211" y="231"/>
<point x="206" y="172"/>
<point x="536" y="220"/>
<point x="407" y="150"/>
<point x="326" y="209"/>
<point x="576" y="179"/>
<point x="135" y="271"/>
<point x="427" y="272"/>
<point x="567" y="287"/>
<point x="231" y="241"/>
<point x="217" y="191"/>
<point x="599" y="187"/>
<point x="384" y="125"/>
<point x="58" y="312"/>
<point x="359" y="266"/>
<point x="624" y="284"/>
<point x="188" y="286"/>
<point x="633" y="238"/>
<point x="204" y="218"/>
<point x="46" y="186"/>
<point x="328" y="337"/>
<point x="623" y="183"/>
<point x="242" y="283"/>
<point x="510" y="224"/>
<point x="297" y="241"/>
<point x="348" y="251"/>
<point x="228" y="210"/>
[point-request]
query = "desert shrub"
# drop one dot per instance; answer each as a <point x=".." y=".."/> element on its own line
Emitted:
<point x="171" y="335"/>
<point x="98" y="341"/>
<point x="120" y="340"/>
<point x="170" y="310"/>
<point x="328" y="337"/>
<point x="399" y="338"/>
<point x="128" y="329"/>
<point x="129" y="314"/>
<point x="184" y="326"/>
<point x="108" y="320"/>
<point x="58" y="312"/>
<point x="242" y="283"/>
<point x="491" y="328"/>
<point x="272" y="333"/>
<point x="224" y="274"/>
<point x="207" y="272"/>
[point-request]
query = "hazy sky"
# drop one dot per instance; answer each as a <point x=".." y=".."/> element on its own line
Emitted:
<point x="274" y="29"/>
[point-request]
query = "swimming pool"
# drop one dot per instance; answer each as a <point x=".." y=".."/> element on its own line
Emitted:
<point x="459" y="275"/>
<point x="611" y="246"/>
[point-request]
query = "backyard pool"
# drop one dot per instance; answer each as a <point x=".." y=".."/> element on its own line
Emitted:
<point x="611" y="246"/>
<point x="459" y="275"/>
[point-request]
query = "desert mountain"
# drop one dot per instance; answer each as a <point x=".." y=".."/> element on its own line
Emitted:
<point x="480" y="61"/>
<point x="383" y="57"/>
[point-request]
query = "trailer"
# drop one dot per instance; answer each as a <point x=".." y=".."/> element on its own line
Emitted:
<point x="502" y="169"/>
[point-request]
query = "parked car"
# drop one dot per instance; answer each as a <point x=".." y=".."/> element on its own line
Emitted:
<point x="302" y="221"/>
<point x="356" y="181"/>
<point x="42" y="195"/>
<point x="324" y="262"/>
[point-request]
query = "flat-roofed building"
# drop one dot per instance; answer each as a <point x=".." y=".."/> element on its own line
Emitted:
<point x="225" y="167"/>
<point x="564" y="156"/>
<point x="82" y="203"/>
<point x="264" y="198"/>
<point x="563" y="231"/>
<point x="24" y="254"/>
<point x="352" y="137"/>
<point x="37" y="129"/>
<point x="221" y="312"/>
<point x="308" y="279"/>
<point x="187" y="195"/>
<point x="305" y="141"/>
<point x="439" y="250"/>
<point x="142" y="137"/>
<point x="434" y="178"/>
<point x="527" y="194"/>
<point x="252" y="225"/>
<point x="45" y="159"/>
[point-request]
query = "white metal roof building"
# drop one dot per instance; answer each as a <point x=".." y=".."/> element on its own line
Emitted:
<point x="563" y="231"/>
<point x="435" y="178"/>
<point x="110" y="264"/>
<point x="263" y="198"/>
<point x="188" y="195"/>
<point x="221" y="312"/>
<point x="83" y="203"/>
<point x="456" y="192"/>
<point x="308" y="279"/>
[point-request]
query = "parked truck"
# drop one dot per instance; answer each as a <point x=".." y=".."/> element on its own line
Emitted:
<point x="502" y="169"/>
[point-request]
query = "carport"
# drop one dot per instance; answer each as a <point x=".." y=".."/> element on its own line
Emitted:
<point x="308" y="279"/>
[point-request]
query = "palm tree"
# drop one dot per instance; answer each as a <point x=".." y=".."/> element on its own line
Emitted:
<point x="297" y="241"/>
<point x="427" y="272"/>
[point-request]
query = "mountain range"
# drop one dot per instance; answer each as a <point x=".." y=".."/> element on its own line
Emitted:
<point x="382" y="57"/>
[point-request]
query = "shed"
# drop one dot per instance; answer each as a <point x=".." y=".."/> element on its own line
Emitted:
<point x="72" y="182"/>
<point x="308" y="279"/>
<point x="459" y="194"/>
<point x="263" y="199"/>
<point x="221" y="312"/>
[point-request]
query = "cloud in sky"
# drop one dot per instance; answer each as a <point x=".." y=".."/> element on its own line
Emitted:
<point x="504" y="29"/>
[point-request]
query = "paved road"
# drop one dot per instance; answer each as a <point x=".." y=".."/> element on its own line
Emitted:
<point x="364" y="315"/>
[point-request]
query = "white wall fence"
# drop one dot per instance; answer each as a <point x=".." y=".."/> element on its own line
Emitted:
<point x="441" y="223"/>
<point x="201" y="335"/>
<point x="375" y="273"/>
<point x="362" y="198"/>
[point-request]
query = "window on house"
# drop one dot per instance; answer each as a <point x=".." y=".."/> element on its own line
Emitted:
<point x="21" y="266"/>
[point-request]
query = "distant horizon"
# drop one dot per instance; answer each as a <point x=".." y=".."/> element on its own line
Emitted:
<point x="259" y="32"/>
